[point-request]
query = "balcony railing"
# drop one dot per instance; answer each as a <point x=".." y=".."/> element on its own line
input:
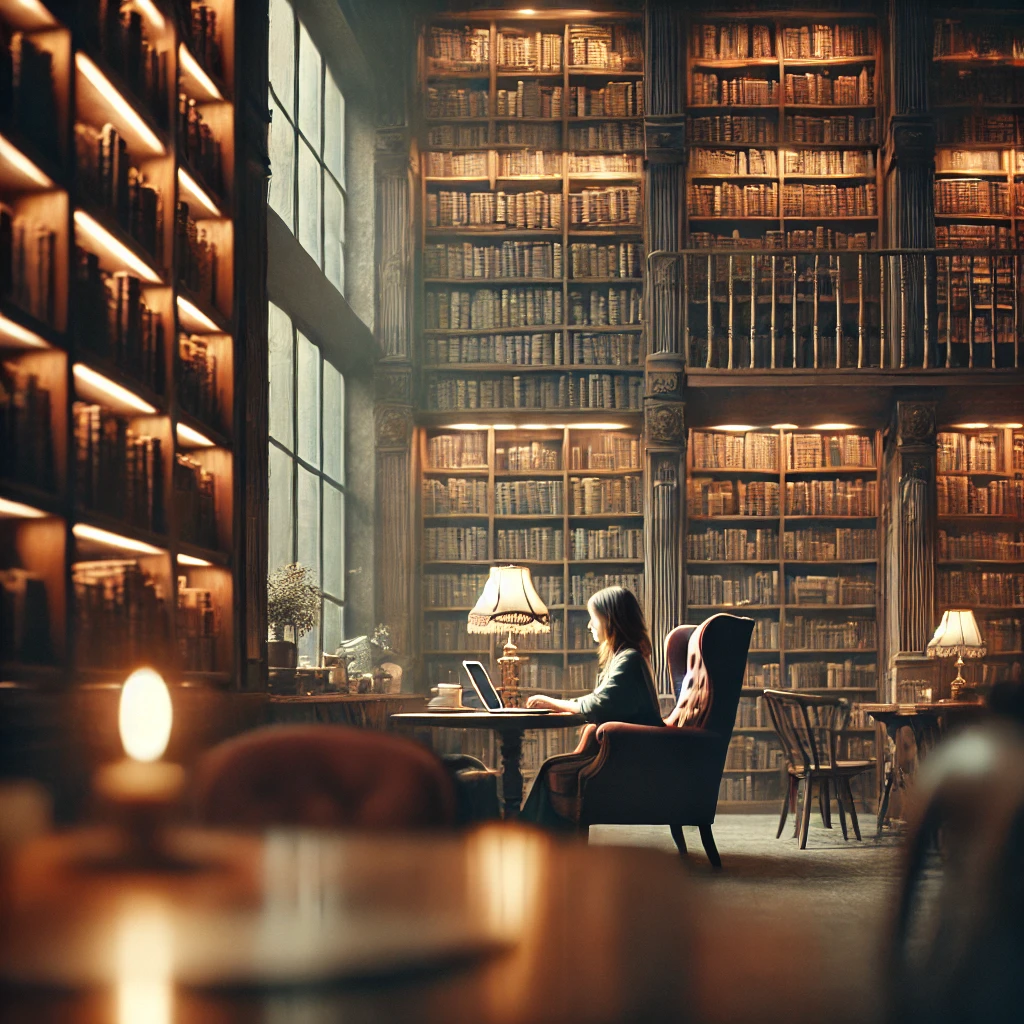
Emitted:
<point x="882" y="309"/>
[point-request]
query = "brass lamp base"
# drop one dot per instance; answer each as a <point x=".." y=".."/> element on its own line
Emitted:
<point x="509" y="662"/>
<point x="960" y="689"/>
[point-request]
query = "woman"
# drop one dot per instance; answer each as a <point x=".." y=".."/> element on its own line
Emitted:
<point x="625" y="693"/>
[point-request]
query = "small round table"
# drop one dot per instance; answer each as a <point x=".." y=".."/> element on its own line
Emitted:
<point x="510" y="729"/>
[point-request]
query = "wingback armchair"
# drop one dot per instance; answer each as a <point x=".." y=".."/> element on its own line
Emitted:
<point x="670" y="775"/>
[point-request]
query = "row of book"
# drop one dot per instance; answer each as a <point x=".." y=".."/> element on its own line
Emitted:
<point x="831" y="675"/>
<point x="508" y="259"/>
<point x="978" y="128"/>
<point x="118" y="471"/>
<point x="955" y="38"/>
<point x="597" y="206"/>
<point x="540" y="455"/>
<point x="449" y="99"/>
<point x="456" y="165"/>
<point x="977" y="86"/>
<point x="734" y="589"/>
<point x="614" y="451"/>
<point x="112" y="182"/>
<point x="465" y="449"/>
<point x="458" y="49"/>
<point x="612" y="542"/>
<point x="732" y="545"/>
<point x="727" y="200"/>
<point x="114" y="322"/>
<point x="971" y="587"/>
<point x="960" y="327"/>
<point x="706" y="497"/>
<point x="1003" y="634"/>
<point x="27" y="265"/>
<point x="529" y="163"/>
<point x="952" y="159"/>
<point x="195" y="502"/>
<point x="487" y="308"/>
<point x="763" y="675"/>
<point x="823" y="451"/>
<point x="606" y="307"/>
<point x="197" y="258"/>
<point x="553" y="640"/>
<point x="197" y="390"/>
<point x="721" y="450"/>
<point x="735" y="40"/>
<point x="828" y="161"/>
<point x="824" y="42"/>
<point x="519" y="210"/>
<point x="821" y="544"/>
<point x="534" y="544"/>
<point x="832" y="128"/>
<point x="536" y="136"/>
<point x="582" y="587"/>
<point x="452" y="635"/>
<point x="24" y="617"/>
<point x="976" y="453"/>
<point x="800" y="128"/>
<point x="26" y="434"/>
<point x="614" y="259"/>
<point x="981" y="544"/>
<point x="765" y="636"/>
<point x="837" y="590"/>
<point x="734" y="161"/>
<point x="745" y="788"/>
<point x="621" y="136"/>
<point x="27" y="99"/>
<point x="204" y="37"/>
<point x="591" y="495"/>
<point x="708" y="89"/>
<point x="972" y="236"/>
<point x="749" y="753"/>
<point x="734" y="128"/>
<point x="197" y="628"/>
<point x="580" y="638"/>
<point x="616" y="99"/>
<point x="566" y="391"/>
<point x="452" y="589"/>
<point x="821" y="89"/>
<point x="529" y="51"/>
<point x="959" y="495"/>
<point x="454" y="496"/>
<point x="529" y="99"/>
<point x="622" y="164"/>
<point x="455" y="543"/>
<point x="832" y="498"/>
<point x="120" y="614"/>
<point x="829" y="634"/>
<point x="830" y="200"/>
<point x="529" y="497"/>
<point x="199" y="146"/>
<point x="457" y="136"/>
<point x="752" y="713"/>
<point x="505" y="349"/>
<point x="605" y="349"/>
<point x="612" y="47"/>
<point x="971" y="195"/>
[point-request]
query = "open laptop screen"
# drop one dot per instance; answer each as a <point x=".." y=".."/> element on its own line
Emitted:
<point x="482" y="684"/>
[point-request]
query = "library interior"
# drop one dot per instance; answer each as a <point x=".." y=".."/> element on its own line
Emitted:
<point x="455" y="455"/>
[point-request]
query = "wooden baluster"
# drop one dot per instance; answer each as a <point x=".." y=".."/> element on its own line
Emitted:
<point x="773" y="312"/>
<point x="710" y="316"/>
<point x="838" y="285"/>
<point x="926" y="362"/>
<point x="903" y="311"/>
<point x="753" y="308"/>
<point x="970" y="312"/>
<point x="881" y="311"/>
<point x="795" y="275"/>
<point x="817" y="302"/>
<point x="860" y="311"/>
<point x="949" y="312"/>
<point x="731" y="311"/>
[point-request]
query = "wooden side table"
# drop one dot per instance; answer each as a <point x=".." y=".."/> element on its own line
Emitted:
<point x="362" y="710"/>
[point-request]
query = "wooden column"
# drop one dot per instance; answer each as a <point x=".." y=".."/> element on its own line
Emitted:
<point x="908" y="520"/>
<point x="252" y="164"/>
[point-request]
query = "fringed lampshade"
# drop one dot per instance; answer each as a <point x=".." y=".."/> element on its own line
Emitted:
<point x="958" y="635"/>
<point x="509" y="603"/>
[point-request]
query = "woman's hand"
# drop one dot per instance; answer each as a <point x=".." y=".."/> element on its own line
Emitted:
<point x="539" y="700"/>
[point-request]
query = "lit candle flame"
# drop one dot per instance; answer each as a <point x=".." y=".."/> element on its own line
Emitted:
<point x="145" y="715"/>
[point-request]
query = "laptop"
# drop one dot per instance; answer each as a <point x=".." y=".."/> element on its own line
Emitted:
<point x="489" y="696"/>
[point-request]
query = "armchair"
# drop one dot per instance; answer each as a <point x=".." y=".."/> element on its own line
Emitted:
<point x="651" y="775"/>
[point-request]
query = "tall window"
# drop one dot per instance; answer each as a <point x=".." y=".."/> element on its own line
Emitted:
<point x="307" y="143"/>
<point x="307" y="472"/>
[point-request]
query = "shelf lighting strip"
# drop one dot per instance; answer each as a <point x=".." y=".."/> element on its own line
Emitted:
<point x="20" y="335"/>
<point x="192" y="187"/>
<point x="188" y="436"/>
<point x="114" y="540"/>
<point x="102" y="237"/>
<point x="189" y="311"/>
<point x="10" y="154"/>
<point x="91" y="379"/>
<point x="184" y="559"/>
<point x="106" y="89"/>
<point x="16" y="510"/>
<point x="193" y="68"/>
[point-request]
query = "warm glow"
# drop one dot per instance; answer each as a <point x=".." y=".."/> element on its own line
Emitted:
<point x="193" y="317"/>
<point x="733" y="428"/>
<point x="145" y="955"/>
<point x="123" y="108"/>
<point x="115" y="249"/>
<point x="191" y="560"/>
<point x="11" y="331"/>
<point x="504" y="426"/>
<point x="970" y="426"/>
<point x="467" y="426"/>
<point x="784" y="426"/>
<point x="114" y="540"/>
<point x="598" y="426"/>
<point x="191" y="67"/>
<point x="541" y="426"/>
<point x="834" y="426"/>
<point x="91" y="380"/>
<point x="145" y="715"/>
<point x="153" y="16"/>
<point x="192" y="187"/>
<point x="37" y="10"/>
<point x="15" y="510"/>
<point x="527" y="10"/>
<point x="1013" y="426"/>
<point x="188" y="436"/>
<point x="10" y="154"/>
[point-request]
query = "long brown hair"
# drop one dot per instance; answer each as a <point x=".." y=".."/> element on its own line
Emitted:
<point x="624" y="624"/>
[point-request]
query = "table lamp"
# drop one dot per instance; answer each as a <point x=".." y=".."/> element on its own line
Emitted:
<point x="958" y="634"/>
<point x="509" y="603"/>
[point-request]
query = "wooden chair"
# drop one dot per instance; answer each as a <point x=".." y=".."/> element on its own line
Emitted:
<point x="811" y="731"/>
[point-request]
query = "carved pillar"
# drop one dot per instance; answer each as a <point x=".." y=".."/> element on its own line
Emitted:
<point x="251" y="360"/>
<point x="908" y="519"/>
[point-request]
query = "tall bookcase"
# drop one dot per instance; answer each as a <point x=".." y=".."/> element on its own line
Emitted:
<point x="117" y="319"/>
<point x="782" y="525"/>
<point x="532" y="226"/>
<point x="783" y="133"/>
<point x="980" y="538"/>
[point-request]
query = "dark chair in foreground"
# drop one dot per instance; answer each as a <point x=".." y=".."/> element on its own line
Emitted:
<point x="323" y="776"/>
<point x="658" y="775"/>
<point x="811" y="731"/>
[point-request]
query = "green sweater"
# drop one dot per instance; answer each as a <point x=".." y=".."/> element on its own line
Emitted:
<point x="624" y="693"/>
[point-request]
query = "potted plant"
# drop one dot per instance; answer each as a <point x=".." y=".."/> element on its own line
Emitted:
<point x="293" y="600"/>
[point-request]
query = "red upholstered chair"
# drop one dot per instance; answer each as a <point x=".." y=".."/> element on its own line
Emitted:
<point x="651" y="775"/>
<point x="323" y="776"/>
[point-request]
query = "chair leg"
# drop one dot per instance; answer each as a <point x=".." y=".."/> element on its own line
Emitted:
<point x="677" y="835"/>
<point x="786" y="801"/>
<point x="853" y="809"/>
<point x="805" y="811"/>
<point x="840" y="798"/>
<point x="708" y="839"/>
<point x="797" y="806"/>
<point x="883" y="807"/>
<point x="825" y="803"/>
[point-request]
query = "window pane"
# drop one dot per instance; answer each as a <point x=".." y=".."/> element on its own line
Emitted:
<point x="309" y="202"/>
<point x="334" y="128"/>
<point x="309" y="645"/>
<point x="309" y="401"/>
<point x="280" y="511"/>
<point x="334" y="626"/>
<point x="282" y="52"/>
<point x="334" y="541"/>
<point x="309" y="88"/>
<point x="334" y="233"/>
<point x="282" y="165"/>
<point x="308" y="516"/>
<point x="282" y="381"/>
<point x="334" y="423"/>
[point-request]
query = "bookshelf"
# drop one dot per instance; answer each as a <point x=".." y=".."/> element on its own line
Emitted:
<point x="782" y="138"/>
<point x="782" y="525"/>
<point x="531" y="143"/>
<point x="980" y="538"/>
<point x="117" y="538"/>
